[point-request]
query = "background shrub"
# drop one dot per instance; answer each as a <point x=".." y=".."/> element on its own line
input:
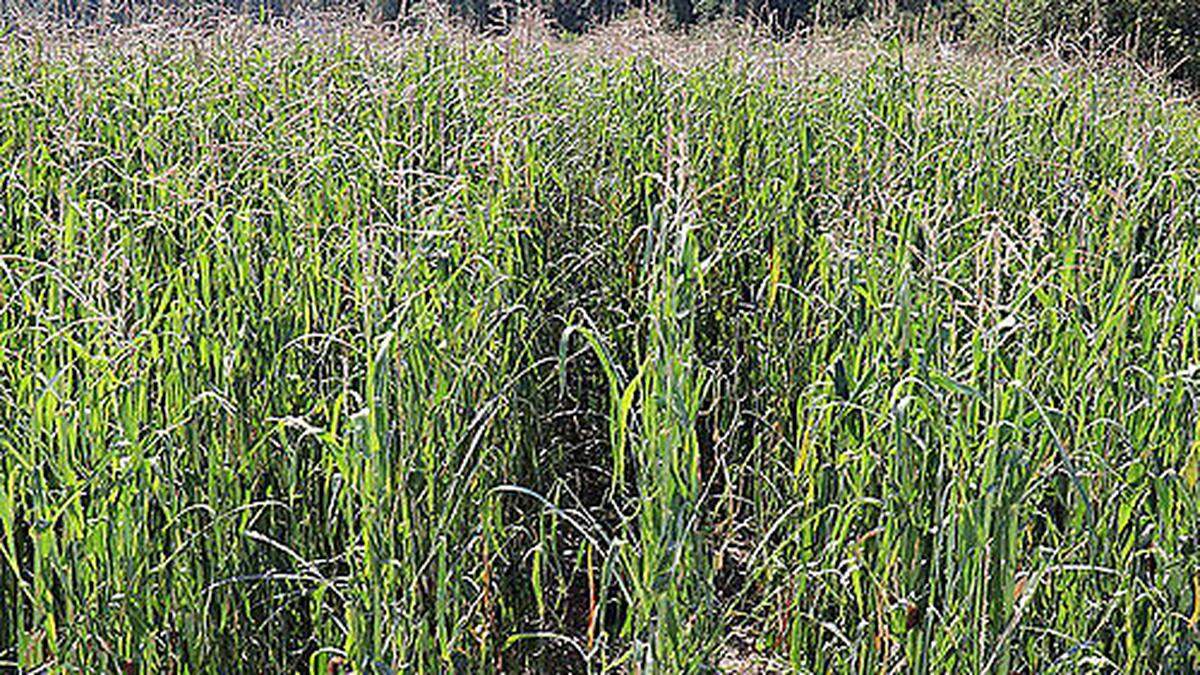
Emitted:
<point x="1164" y="31"/>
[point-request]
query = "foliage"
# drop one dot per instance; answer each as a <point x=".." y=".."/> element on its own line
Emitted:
<point x="480" y="356"/>
<point x="1164" y="30"/>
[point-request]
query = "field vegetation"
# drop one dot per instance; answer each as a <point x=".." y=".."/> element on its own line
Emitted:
<point x="1165" y="32"/>
<point x="328" y="349"/>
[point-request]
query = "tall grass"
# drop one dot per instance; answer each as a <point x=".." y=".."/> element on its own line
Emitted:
<point x="331" y="351"/>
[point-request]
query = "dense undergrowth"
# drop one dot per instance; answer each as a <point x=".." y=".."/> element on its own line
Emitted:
<point x="1164" y="33"/>
<point x="649" y="355"/>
